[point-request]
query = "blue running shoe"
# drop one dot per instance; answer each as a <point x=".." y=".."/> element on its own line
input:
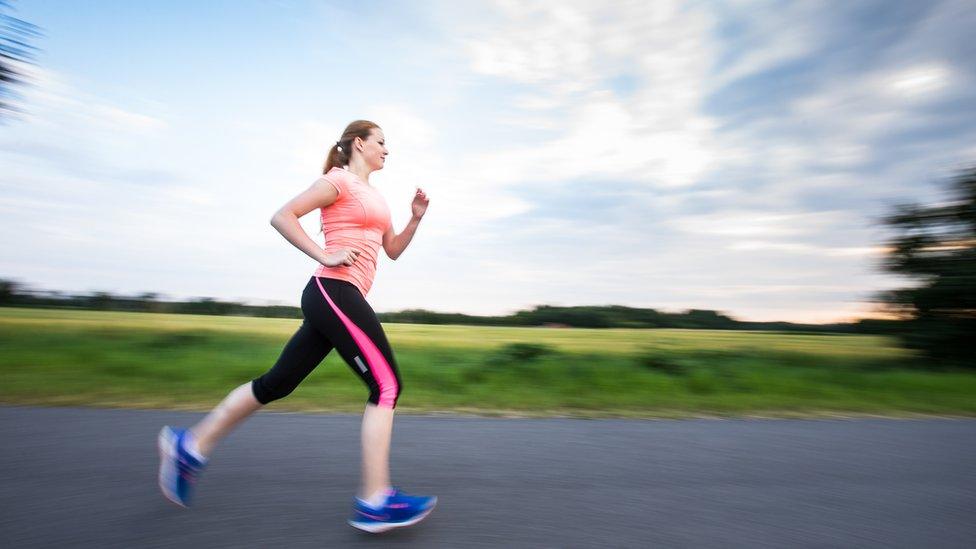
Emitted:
<point x="399" y="510"/>
<point x="178" y="470"/>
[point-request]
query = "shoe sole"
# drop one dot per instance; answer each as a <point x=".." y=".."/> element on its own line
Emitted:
<point x="166" y="464"/>
<point x="379" y="527"/>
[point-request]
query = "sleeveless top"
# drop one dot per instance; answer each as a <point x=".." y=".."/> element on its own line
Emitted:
<point x="357" y="219"/>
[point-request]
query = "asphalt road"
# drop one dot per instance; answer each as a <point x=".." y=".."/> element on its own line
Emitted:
<point x="87" y="478"/>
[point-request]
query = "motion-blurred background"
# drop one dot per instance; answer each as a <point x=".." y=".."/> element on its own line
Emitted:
<point x="636" y="208"/>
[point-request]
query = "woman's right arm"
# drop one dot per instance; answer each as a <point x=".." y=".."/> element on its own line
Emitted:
<point x="285" y="220"/>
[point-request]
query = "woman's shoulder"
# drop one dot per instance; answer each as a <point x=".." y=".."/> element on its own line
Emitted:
<point x="341" y="174"/>
<point x="339" y="178"/>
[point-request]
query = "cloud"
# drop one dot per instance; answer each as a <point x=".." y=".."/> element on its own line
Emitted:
<point x="51" y="99"/>
<point x="127" y="120"/>
<point x="571" y="54"/>
<point x="743" y="132"/>
<point x="79" y="162"/>
<point x="808" y="249"/>
<point x="759" y="223"/>
<point x="69" y="131"/>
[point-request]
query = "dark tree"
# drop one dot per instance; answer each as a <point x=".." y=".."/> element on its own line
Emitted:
<point x="15" y="50"/>
<point x="8" y="291"/>
<point x="101" y="301"/>
<point x="935" y="245"/>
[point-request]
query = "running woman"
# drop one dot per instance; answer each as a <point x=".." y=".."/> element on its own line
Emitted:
<point x="356" y="222"/>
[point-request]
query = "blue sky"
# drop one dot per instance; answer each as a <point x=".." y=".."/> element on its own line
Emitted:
<point x="721" y="155"/>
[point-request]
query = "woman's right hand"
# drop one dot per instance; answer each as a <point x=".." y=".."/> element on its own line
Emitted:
<point x="345" y="256"/>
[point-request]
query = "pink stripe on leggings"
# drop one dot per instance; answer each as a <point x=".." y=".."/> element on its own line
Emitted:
<point x="374" y="358"/>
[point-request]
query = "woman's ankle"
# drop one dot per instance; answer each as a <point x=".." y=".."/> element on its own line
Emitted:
<point x="196" y="446"/>
<point x="375" y="498"/>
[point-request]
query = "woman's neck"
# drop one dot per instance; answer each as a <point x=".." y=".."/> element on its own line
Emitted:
<point x="358" y="167"/>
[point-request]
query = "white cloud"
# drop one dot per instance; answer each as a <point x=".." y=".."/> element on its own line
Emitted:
<point x="919" y="80"/>
<point x="51" y="99"/>
<point x="808" y="249"/>
<point x="123" y="119"/>
<point x="758" y="223"/>
<point x="538" y="42"/>
<point x="570" y="53"/>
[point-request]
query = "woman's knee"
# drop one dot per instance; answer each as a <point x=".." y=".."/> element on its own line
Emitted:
<point x="266" y="392"/>
<point x="386" y="394"/>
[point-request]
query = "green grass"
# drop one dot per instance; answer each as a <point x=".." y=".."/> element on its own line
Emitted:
<point x="59" y="357"/>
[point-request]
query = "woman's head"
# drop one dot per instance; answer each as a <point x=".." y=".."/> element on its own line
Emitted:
<point x="361" y="140"/>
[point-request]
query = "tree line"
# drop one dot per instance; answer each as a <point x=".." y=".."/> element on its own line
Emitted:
<point x="14" y="294"/>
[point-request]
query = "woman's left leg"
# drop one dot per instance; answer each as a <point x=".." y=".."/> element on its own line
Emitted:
<point x="342" y="314"/>
<point x="377" y="432"/>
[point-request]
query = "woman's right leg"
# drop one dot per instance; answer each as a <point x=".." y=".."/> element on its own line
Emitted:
<point x="303" y="352"/>
<point x="184" y="453"/>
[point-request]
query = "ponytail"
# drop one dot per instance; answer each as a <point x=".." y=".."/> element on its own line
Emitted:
<point x="338" y="156"/>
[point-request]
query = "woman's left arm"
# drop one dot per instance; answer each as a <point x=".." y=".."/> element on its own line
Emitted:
<point x="393" y="243"/>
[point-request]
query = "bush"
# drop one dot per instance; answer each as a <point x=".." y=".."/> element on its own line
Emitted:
<point x="660" y="362"/>
<point x="522" y="359"/>
<point x="522" y="352"/>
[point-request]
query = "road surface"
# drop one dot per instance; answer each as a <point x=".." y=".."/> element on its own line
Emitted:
<point x="87" y="478"/>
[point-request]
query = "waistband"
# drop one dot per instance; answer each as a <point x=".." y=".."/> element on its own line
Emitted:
<point x="333" y="282"/>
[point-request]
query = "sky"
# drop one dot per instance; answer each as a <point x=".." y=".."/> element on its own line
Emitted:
<point x="733" y="156"/>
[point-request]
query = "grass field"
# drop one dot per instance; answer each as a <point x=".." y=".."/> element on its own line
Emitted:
<point x="59" y="357"/>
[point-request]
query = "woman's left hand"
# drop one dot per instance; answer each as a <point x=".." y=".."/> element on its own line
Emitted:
<point x="419" y="205"/>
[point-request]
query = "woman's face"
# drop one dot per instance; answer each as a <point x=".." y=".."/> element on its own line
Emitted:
<point x="374" y="149"/>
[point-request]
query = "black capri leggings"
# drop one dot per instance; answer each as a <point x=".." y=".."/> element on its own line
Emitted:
<point x="336" y="316"/>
